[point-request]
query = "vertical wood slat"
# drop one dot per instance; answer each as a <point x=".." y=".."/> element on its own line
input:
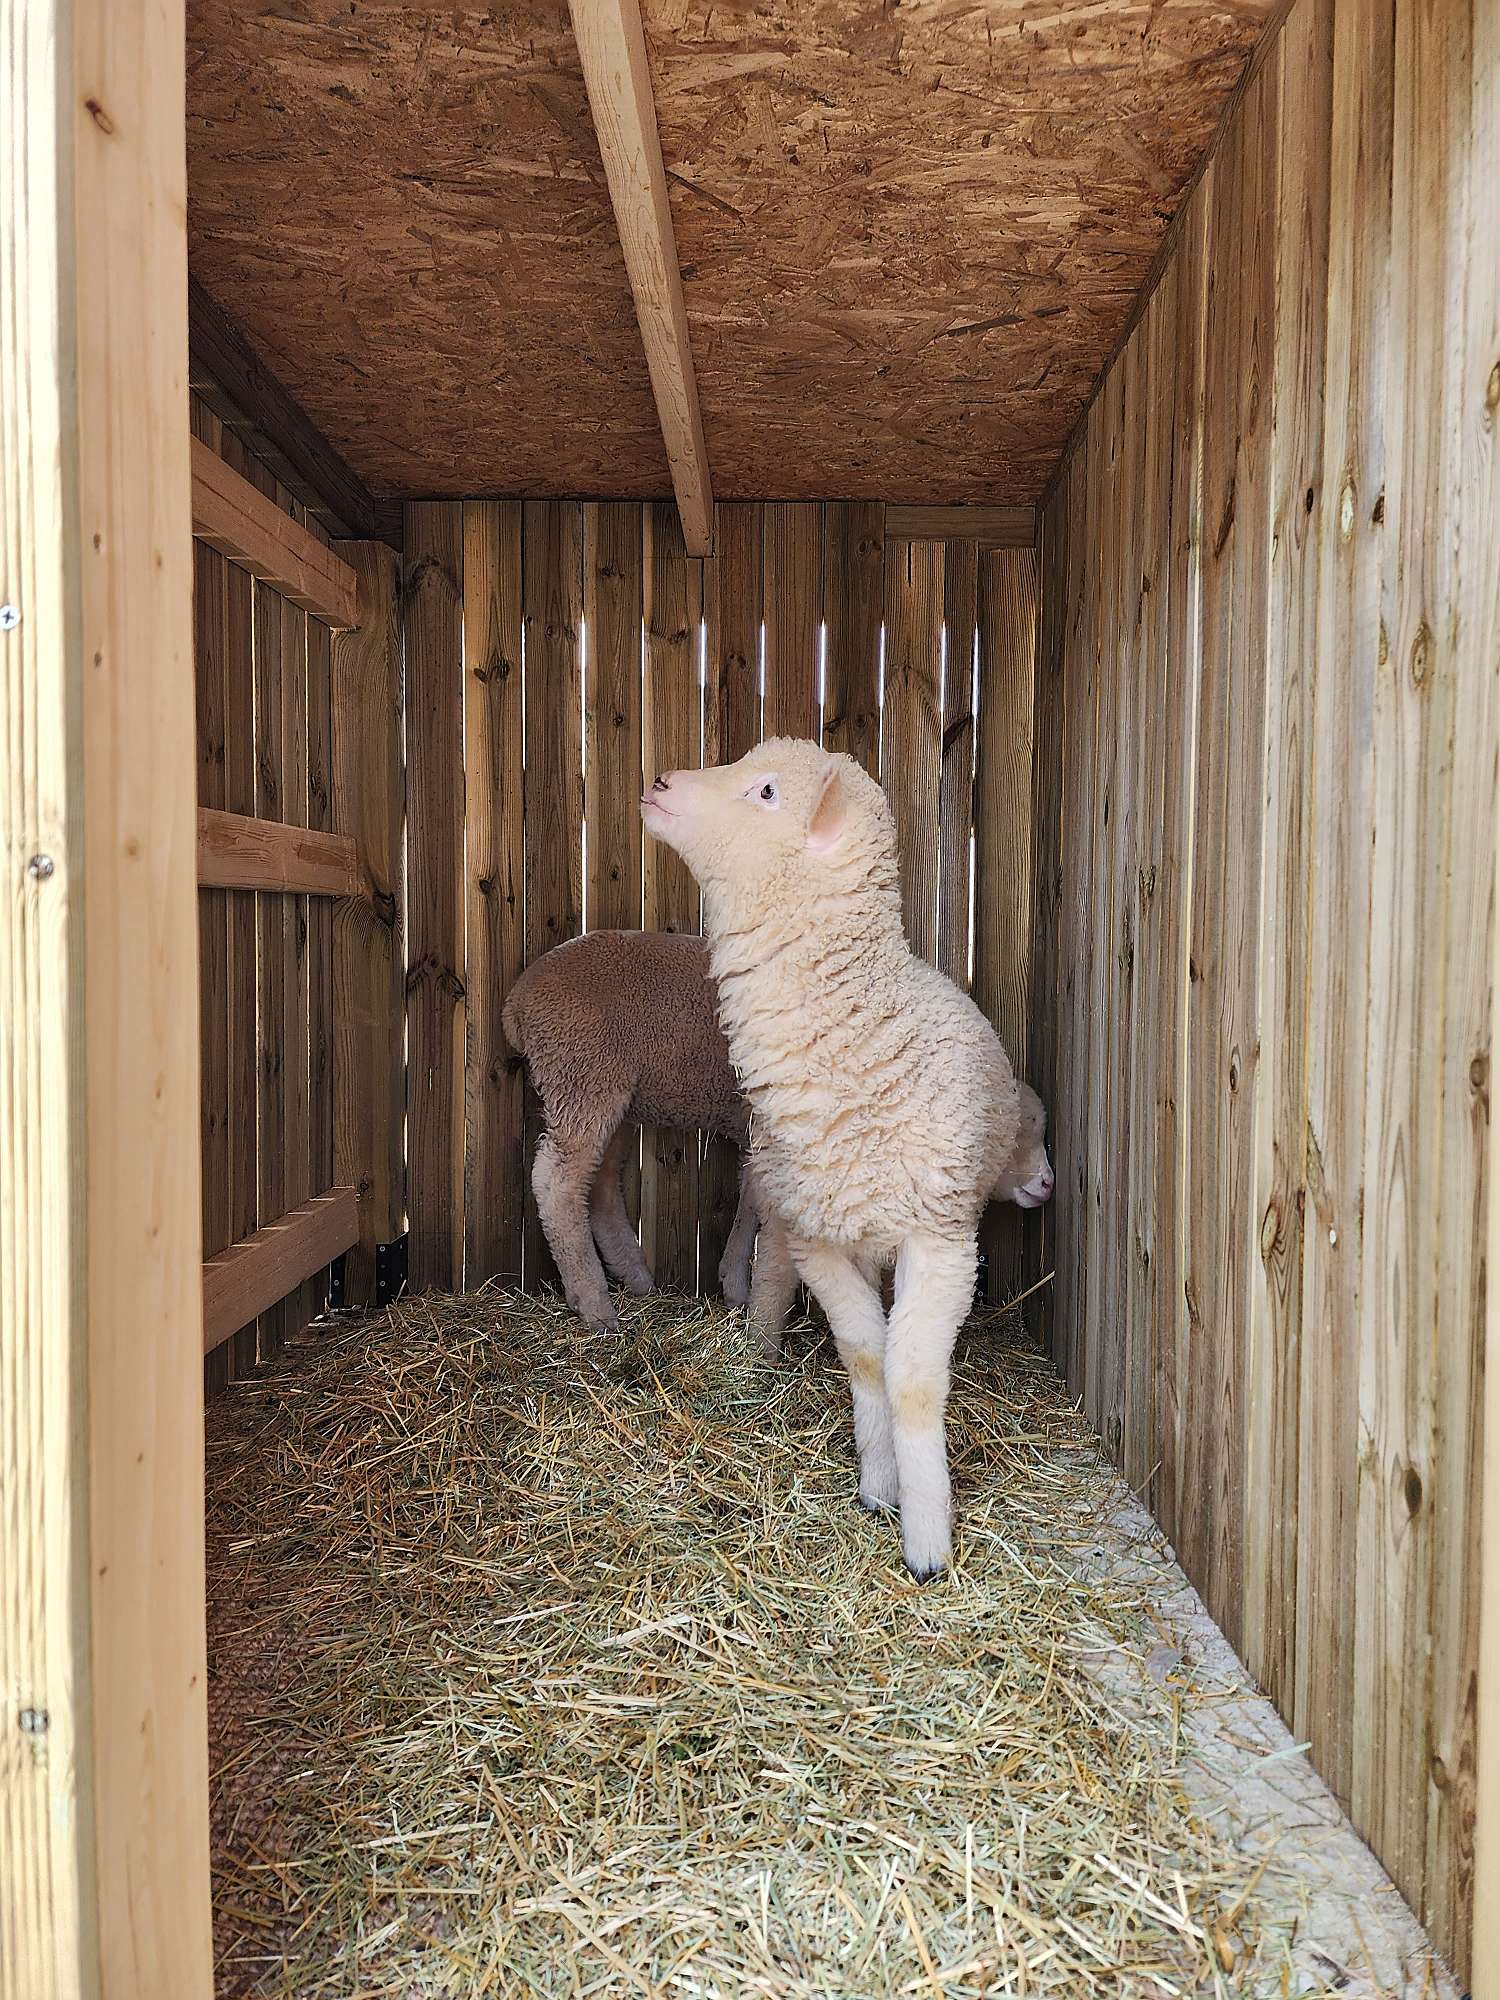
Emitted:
<point x="911" y="752"/>
<point x="732" y="584"/>
<point x="854" y="598"/>
<point x="299" y="1307"/>
<point x="1039" y="1250"/>
<point x="495" y="866"/>
<point x="319" y="916"/>
<point x="1245" y="842"/>
<point x="1103" y="1378"/>
<point x="732" y="718"/>
<point x="1213" y="1428"/>
<point x="1188" y="304"/>
<point x="1298" y="254"/>
<point x="552" y="595"/>
<point x="1150" y="1035"/>
<point x="1339" y="810"/>
<point x="368" y="801"/>
<point x="671" y="727"/>
<point x="435" y="1010"/>
<point x="1423" y="1175"/>
<point x="612" y="600"/>
<point x="1464" y="1684"/>
<point x="1069" y="1139"/>
<point x="792" y="592"/>
<point x="1478" y="1789"/>
<point x="239" y="796"/>
<point x="1006" y="612"/>
<point x="270" y="936"/>
<point x="612" y="592"/>
<point x="956" y="774"/>
<point x="211" y="681"/>
<point x="1132" y="1146"/>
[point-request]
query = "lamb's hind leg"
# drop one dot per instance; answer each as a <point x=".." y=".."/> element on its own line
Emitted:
<point x="618" y="1243"/>
<point x="934" y="1290"/>
<point x="561" y="1175"/>
<point x="859" y="1332"/>
<point x="734" y="1265"/>
<point x="773" y="1283"/>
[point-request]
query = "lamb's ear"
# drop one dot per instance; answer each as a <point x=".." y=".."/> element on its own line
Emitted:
<point x="828" y="815"/>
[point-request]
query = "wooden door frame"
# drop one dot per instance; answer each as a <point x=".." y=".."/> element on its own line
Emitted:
<point x="104" y="1884"/>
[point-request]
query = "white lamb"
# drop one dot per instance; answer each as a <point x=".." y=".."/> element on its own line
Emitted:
<point x="884" y="1111"/>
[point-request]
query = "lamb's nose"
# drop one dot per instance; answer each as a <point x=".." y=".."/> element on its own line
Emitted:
<point x="661" y="784"/>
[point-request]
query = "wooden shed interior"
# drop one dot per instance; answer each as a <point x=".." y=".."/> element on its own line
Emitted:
<point x="1083" y="415"/>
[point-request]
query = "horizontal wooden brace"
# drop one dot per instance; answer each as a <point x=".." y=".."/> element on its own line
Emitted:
<point x="238" y="852"/>
<point x="991" y="527"/>
<point x="242" y="523"/>
<point x="250" y="1276"/>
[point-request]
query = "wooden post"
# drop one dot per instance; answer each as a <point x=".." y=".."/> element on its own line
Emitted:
<point x="1481" y="614"/>
<point x="103" y="1729"/>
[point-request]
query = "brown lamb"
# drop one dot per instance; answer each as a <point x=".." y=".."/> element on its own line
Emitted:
<point x="620" y="1029"/>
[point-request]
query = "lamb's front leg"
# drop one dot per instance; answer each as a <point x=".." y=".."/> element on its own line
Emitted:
<point x="859" y="1332"/>
<point x="934" y="1290"/>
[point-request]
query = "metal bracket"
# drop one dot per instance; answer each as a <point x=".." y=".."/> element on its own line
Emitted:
<point x="390" y="1270"/>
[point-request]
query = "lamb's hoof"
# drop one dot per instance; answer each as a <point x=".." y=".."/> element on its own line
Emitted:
<point x="735" y="1286"/>
<point x="927" y="1551"/>
<point x="601" y="1319"/>
<point x="927" y="1575"/>
<point x="769" y="1341"/>
<point x="641" y="1285"/>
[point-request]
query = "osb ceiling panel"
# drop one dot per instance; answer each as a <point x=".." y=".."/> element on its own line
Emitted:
<point x="911" y="233"/>
<point x="404" y="208"/>
<point x="910" y="230"/>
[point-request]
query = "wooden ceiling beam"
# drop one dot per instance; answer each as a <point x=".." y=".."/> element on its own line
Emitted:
<point x="612" y="45"/>
<point x="991" y="527"/>
<point x="230" y="376"/>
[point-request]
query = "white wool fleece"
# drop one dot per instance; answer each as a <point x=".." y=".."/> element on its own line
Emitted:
<point x="883" y="1102"/>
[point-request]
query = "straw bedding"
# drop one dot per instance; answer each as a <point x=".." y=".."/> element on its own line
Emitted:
<point x="552" y="1663"/>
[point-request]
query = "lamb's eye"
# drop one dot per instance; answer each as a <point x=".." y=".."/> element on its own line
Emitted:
<point x="768" y="792"/>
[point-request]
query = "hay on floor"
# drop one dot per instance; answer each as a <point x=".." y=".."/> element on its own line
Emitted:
<point x="562" y="1664"/>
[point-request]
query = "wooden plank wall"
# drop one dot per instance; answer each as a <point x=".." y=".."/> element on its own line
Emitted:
<point x="302" y="726"/>
<point x="1265" y="896"/>
<point x="625" y="656"/>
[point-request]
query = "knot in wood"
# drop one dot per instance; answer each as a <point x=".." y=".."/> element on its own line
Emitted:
<point x="1270" y="1229"/>
<point x="1411" y="1489"/>
<point x="1421" y="655"/>
<point x="1346" y="509"/>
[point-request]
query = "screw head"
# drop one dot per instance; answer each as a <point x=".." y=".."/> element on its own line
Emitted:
<point x="41" y="867"/>
<point x="10" y="617"/>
